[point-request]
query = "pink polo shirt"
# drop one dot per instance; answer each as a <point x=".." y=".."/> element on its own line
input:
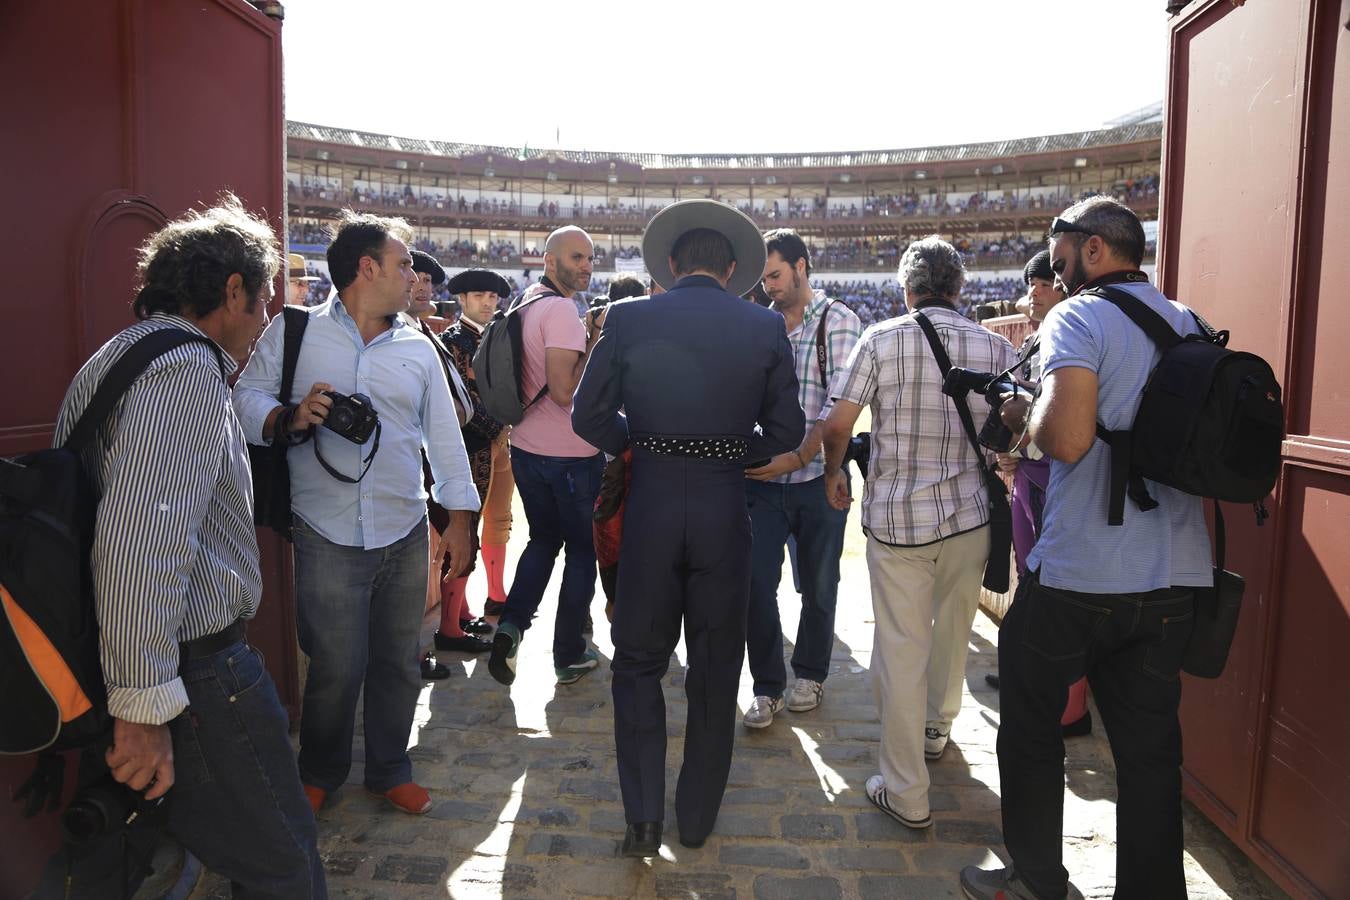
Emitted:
<point x="547" y="427"/>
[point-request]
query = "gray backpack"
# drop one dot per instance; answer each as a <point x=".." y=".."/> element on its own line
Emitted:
<point x="497" y="365"/>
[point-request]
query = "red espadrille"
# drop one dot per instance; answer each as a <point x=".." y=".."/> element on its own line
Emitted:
<point x="409" y="797"/>
<point x="315" y="796"/>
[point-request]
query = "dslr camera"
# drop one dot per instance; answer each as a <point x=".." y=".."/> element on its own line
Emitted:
<point x="960" y="382"/>
<point x="352" y="417"/>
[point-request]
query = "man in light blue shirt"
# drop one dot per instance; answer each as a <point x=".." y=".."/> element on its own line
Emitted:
<point x="361" y="542"/>
<point x="1115" y="603"/>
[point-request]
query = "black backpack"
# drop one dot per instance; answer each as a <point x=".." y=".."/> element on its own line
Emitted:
<point x="497" y="365"/>
<point x="51" y="684"/>
<point x="1211" y="422"/>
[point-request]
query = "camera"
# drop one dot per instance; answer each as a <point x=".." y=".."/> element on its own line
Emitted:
<point x="100" y="808"/>
<point x="352" y="417"/>
<point x="859" y="451"/>
<point x="960" y="382"/>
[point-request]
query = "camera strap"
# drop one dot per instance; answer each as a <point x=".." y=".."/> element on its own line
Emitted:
<point x="347" y="479"/>
<point x="821" y="355"/>
<point x="962" y="406"/>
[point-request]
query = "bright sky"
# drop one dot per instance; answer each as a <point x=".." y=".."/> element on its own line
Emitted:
<point x="725" y="76"/>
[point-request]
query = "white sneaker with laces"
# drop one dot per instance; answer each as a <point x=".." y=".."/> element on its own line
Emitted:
<point x="805" y="695"/>
<point x="760" y="713"/>
<point x="915" y="818"/>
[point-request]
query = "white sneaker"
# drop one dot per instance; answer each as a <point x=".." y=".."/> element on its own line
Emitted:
<point x="934" y="743"/>
<point x="805" y="695"/>
<point x="876" y="792"/>
<point x="760" y="713"/>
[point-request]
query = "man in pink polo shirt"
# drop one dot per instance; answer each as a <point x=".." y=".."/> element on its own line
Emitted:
<point x="557" y="473"/>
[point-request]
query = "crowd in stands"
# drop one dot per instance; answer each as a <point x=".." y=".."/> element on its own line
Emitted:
<point x="911" y="203"/>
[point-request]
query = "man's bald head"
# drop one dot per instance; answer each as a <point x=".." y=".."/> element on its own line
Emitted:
<point x="568" y="259"/>
<point x="563" y="235"/>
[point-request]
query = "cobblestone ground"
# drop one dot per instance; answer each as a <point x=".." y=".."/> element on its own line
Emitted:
<point x="527" y="797"/>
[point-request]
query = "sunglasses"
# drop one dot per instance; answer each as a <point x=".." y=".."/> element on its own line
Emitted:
<point x="1064" y="226"/>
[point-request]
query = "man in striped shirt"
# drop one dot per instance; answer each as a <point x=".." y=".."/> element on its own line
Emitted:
<point x="786" y="496"/>
<point x="926" y="514"/>
<point x="175" y="566"/>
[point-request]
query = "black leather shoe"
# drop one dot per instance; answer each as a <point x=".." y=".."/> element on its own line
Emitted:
<point x="477" y="627"/>
<point x="466" y="644"/>
<point x="494" y="607"/>
<point x="691" y="843"/>
<point x="432" y="670"/>
<point x="642" y="839"/>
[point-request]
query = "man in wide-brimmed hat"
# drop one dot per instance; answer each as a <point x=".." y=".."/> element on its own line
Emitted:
<point x="694" y="371"/>
<point x="298" y="280"/>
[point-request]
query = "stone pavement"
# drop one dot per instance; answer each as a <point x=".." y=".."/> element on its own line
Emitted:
<point x="527" y="798"/>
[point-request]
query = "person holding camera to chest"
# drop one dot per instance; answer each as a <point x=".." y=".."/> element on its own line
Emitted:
<point x="377" y="388"/>
<point x="926" y="509"/>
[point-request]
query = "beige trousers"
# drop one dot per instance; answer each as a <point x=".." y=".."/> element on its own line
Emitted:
<point x="924" y="601"/>
<point x="497" y="505"/>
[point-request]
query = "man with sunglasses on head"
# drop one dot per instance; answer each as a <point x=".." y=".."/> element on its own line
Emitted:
<point x="1114" y="603"/>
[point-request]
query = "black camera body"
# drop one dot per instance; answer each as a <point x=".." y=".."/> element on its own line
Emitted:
<point x="859" y="452"/>
<point x="352" y="417"/>
<point x="959" y="382"/>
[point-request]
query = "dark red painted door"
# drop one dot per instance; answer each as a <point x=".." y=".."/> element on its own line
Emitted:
<point x="118" y="115"/>
<point x="1254" y="218"/>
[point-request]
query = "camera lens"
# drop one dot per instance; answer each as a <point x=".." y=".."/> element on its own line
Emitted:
<point x="95" y="811"/>
<point x="339" y="419"/>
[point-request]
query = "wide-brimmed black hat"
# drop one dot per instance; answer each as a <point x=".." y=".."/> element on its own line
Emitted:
<point x="425" y="264"/>
<point x="474" y="280"/>
<point x="665" y="228"/>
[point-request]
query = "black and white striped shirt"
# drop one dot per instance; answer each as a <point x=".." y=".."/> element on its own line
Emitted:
<point x="175" y="555"/>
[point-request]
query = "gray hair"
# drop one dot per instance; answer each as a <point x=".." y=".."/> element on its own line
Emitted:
<point x="1112" y="221"/>
<point x="931" y="267"/>
<point x="184" y="266"/>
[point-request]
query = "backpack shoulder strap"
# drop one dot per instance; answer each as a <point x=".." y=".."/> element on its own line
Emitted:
<point x="296" y="319"/>
<point x="126" y="370"/>
<point x="1138" y="312"/>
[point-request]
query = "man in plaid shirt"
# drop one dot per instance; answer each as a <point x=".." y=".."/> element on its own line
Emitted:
<point x="926" y="514"/>
<point x="786" y="496"/>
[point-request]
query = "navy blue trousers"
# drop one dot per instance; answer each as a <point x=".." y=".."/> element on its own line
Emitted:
<point x="685" y="560"/>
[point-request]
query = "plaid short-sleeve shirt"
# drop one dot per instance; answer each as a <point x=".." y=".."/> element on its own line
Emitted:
<point x="923" y="482"/>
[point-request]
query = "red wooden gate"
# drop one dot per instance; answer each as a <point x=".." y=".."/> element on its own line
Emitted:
<point x="118" y="115"/>
<point x="1255" y="209"/>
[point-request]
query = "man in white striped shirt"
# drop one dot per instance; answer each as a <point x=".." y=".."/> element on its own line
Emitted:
<point x="175" y="567"/>
<point x="926" y="514"/>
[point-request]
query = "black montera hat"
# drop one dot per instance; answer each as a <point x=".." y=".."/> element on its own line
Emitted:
<point x="472" y="280"/>
<point x="425" y="264"/>
<point x="1038" y="267"/>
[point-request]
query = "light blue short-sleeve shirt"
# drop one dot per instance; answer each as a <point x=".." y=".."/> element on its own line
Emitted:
<point x="1078" y="550"/>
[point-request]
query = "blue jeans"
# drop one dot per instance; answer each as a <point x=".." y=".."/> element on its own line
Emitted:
<point x="236" y="801"/>
<point x="778" y="511"/>
<point x="360" y="621"/>
<point x="558" y="493"/>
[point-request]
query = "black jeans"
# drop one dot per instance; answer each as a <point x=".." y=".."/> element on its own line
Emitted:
<point x="1130" y="647"/>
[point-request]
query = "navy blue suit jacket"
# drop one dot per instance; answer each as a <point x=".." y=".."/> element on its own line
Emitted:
<point x="692" y="362"/>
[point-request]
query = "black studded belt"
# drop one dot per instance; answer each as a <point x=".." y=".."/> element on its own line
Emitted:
<point x="731" y="449"/>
